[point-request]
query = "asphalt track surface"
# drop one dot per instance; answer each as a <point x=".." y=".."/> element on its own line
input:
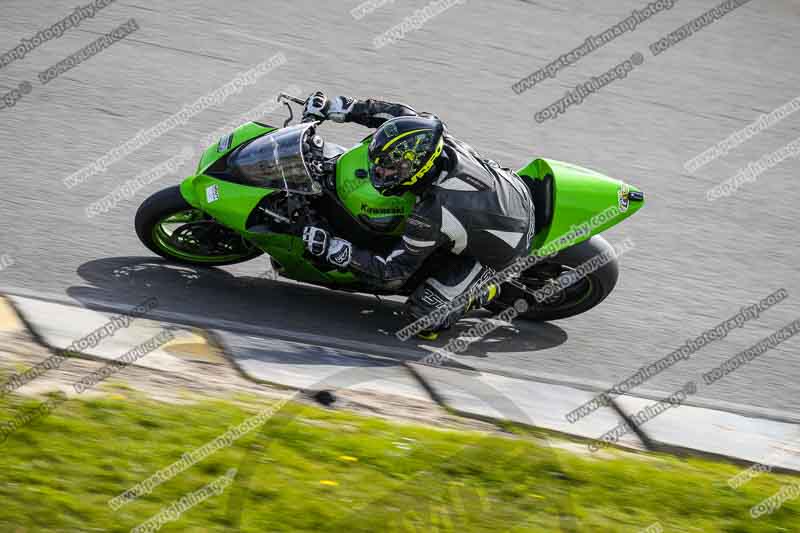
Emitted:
<point x="695" y="263"/>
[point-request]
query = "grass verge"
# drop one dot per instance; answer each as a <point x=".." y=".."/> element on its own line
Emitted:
<point x="308" y="469"/>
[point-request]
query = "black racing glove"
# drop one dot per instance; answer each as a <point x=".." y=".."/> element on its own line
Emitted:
<point x="322" y="244"/>
<point x="319" y="107"/>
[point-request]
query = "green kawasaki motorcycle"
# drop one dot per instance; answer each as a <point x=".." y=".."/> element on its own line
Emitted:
<point x="257" y="188"/>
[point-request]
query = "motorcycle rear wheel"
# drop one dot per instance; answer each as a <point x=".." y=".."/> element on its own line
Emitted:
<point x="584" y="294"/>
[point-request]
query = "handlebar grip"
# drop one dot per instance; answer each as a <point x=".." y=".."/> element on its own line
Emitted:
<point x="291" y="98"/>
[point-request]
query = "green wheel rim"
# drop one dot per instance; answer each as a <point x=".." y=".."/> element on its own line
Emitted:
<point x="181" y="235"/>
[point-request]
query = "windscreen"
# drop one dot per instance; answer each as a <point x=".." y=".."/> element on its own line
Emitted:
<point x="274" y="161"/>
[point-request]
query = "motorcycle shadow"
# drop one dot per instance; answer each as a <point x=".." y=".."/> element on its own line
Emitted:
<point x="214" y="295"/>
<point x="517" y="336"/>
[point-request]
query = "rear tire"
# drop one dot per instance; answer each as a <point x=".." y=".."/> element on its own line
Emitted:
<point x="225" y="248"/>
<point x="583" y="295"/>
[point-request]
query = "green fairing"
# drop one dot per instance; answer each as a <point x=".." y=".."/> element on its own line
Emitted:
<point x="579" y="195"/>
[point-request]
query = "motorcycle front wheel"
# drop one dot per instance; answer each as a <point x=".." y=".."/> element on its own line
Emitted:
<point x="170" y="227"/>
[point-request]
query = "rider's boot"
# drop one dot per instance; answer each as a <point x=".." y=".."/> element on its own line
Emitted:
<point x="478" y="298"/>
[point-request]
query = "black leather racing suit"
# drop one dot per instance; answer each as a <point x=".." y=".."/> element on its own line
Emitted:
<point x="481" y="213"/>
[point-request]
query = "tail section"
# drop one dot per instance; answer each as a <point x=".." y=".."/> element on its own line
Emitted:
<point x="574" y="203"/>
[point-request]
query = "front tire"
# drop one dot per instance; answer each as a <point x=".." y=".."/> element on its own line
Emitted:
<point x="584" y="294"/>
<point x="170" y="227"/>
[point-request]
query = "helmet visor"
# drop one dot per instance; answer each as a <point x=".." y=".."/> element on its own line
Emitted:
<point x="388" y="173"/>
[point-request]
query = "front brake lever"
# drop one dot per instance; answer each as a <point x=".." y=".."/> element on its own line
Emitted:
<point x="291" y="114"/>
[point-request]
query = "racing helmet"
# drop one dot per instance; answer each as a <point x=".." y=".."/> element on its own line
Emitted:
<point x="404" y="152"/>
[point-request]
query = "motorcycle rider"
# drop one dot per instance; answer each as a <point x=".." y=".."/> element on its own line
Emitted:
<point x="467" y="205"/>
